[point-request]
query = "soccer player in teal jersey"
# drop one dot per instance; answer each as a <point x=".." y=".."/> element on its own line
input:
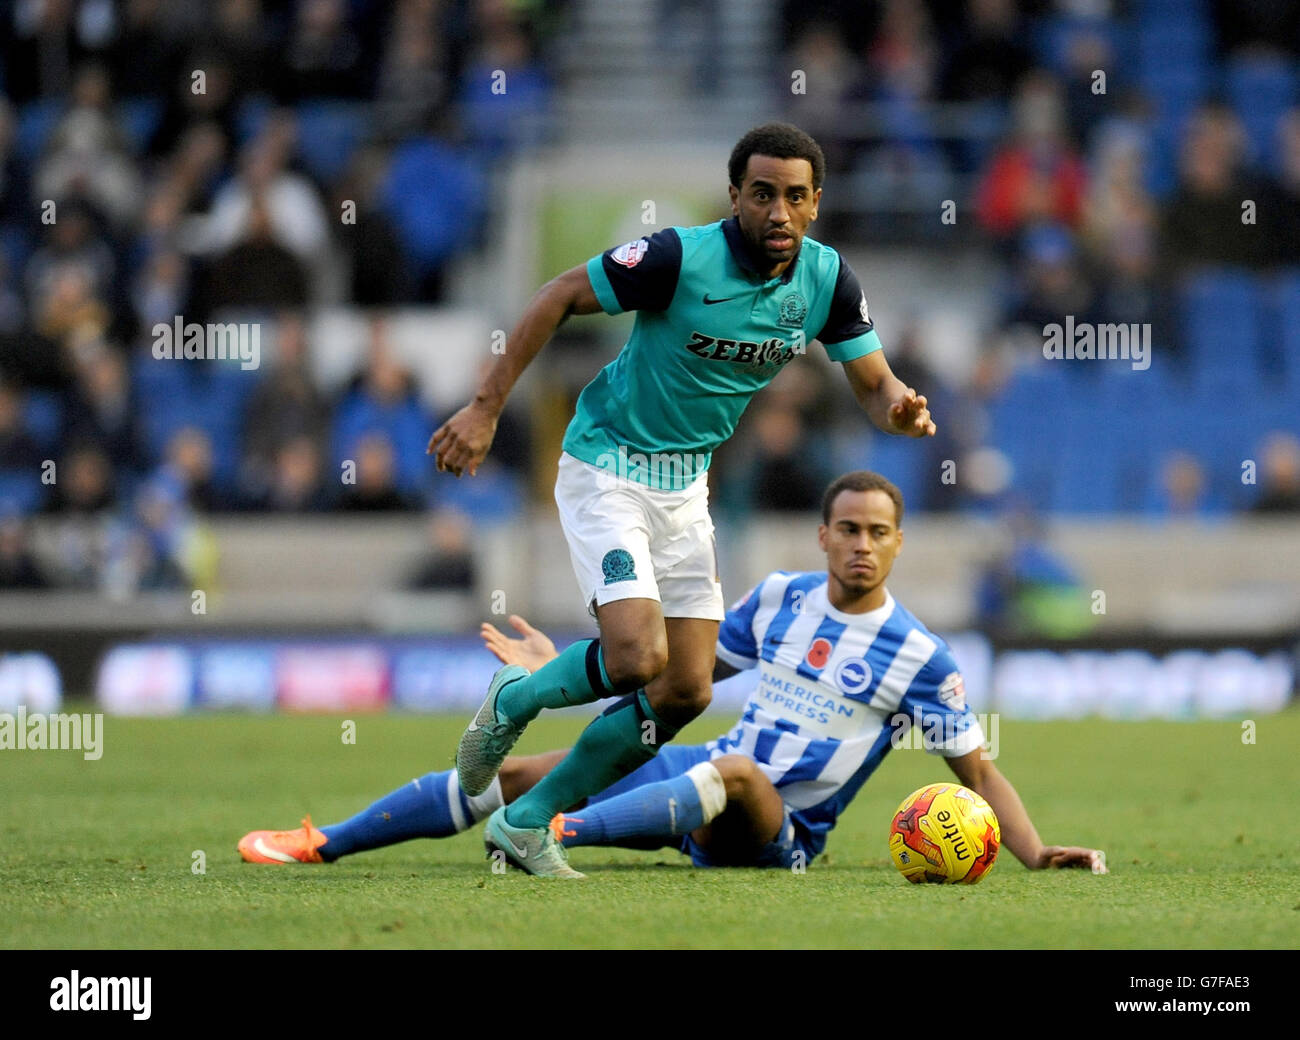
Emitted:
<point x="720" y="310"/>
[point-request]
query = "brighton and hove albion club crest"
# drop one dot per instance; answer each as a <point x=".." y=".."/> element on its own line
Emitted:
<point x="794" y="309"/>
<point x="853" y="676"/>
<point x="618" y="566"/>
<point x="629" y="254"/>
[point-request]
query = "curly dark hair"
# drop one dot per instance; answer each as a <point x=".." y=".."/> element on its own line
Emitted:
<point x="780" y="141"/>
<point x="862" y="480"/>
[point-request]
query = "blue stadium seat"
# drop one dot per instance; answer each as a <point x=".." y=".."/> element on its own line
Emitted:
<point x="1261" y="88"/>
<point x="253" y="113"/>
<point x="1285" y="327"/>
<point x="21" y="491"/>
<point x="1222" y="319"/>
<point x="433" y="224"/>
<point x="1026" y="427"/>
<point x="139" y="118"/>
<point x="328" y="133"/>
<point x="36" y="122"/>
<point x="43" y="417"/>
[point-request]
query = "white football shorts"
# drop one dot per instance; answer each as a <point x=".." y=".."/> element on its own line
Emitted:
<point x="630" y="541"/>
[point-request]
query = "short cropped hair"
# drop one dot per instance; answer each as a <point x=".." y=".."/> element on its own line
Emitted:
<point x="862" y="480"/>
<point x="780" y="141"/>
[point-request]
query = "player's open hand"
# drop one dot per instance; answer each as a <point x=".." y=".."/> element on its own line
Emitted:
<point x="1072" y="856"/>
<point x="910" y="416"/>
<point x="532" y="651"/>
<point x="462" y="442"/>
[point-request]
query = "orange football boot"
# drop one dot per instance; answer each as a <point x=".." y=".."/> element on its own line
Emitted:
<point x="283" y="846"/>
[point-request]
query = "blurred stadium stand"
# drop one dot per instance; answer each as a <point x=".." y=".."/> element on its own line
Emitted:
<point x="380" y="186"/>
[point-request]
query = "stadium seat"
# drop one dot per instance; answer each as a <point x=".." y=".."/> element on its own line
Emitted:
<point x="21" y="491"/>
<point x="1222" y="321"/>
<point x="433" y="224"/>
<point x="43" y="417"/>
<point x="139" y="119"/>
<point x="36" y="122"/>
<point x="328" y="133"/>
<point x="1261" y="87"/>
<point x="253" y="114"/>
<point x="1285" y="332"/>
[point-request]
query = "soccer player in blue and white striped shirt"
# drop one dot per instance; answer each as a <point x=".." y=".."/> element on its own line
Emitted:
<point x="839" y="662"/>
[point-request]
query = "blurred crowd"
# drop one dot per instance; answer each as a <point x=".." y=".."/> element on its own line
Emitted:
<point x="1121" y="163"/>
<point x="255" y="160"/>
<point x="238" y="160"/>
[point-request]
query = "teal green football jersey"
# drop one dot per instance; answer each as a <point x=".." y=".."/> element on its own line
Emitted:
<point x="710" y="332"/>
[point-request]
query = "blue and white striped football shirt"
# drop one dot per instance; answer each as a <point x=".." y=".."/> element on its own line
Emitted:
<point x="829" y="683"/>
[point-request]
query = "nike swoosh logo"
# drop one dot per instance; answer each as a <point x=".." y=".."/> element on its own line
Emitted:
<point x="725" y="299"/>
<point x="271" y="853"/>
<point x="521" y="853"/>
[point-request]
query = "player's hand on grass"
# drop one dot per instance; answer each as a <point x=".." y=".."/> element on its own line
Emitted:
<point x="1072" y="856"/>
<point x="910" y="416"/>
<point x="532" y="651"/>
<point x="462" y="442"/>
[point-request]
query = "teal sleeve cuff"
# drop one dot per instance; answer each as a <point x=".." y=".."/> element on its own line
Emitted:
<point x="852" y="349"/>
<point x="601" y="287"/>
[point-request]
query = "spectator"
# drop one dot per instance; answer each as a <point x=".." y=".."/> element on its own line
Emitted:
<point x="294" y="216"/>
<point x="83" y="499"/>
<point x="379" y="273"/>
<point x="1037" y="176"/>
<point x="1287" y="242"/>
<point x="382" y="399"/>
<point x="413" y="76"/>
<point x="1120" y="230"/>
<point x="18" y="566"/>
<point x="296" y="484"/>
<point x="1051" y="284"/>
<point x="1028" y="589"/>
<point x="1182" y="489"/>
<point x="88" y="155"/>
<point x="1203" y="224"/>
<point x="256" y="272"/>
<point x="991" y="58"/>
<point x="285" y="407"/>
<point x="376" y="487"/>
<point x="74" y="244"/>
<point x="18" y="451"/>
<point x="189" y="465"/>
<point x="323" y="57"/>
<point x="1280" y="469"/>
<point x="216" y="105"/>
<point x="449" y="563"/>
<point x="102" y="409"/>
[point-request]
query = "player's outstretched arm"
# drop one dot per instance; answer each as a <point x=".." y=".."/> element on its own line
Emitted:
<point x="462" y="442"/>
<point x="892" y="405"/>
<point x="532" y="650"/>
<point x="1018" y="832"/>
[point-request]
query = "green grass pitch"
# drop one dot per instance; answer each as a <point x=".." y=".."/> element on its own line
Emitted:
<point x="1198" y="828"/>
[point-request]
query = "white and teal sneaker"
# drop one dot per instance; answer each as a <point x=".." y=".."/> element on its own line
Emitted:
<point x="488" y="738"/>
<point x="534" y="849"/>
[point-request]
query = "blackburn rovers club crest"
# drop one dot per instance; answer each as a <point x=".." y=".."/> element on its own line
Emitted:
<point x="794" y="309"/>
<point x="618" y="566"/>
<point x="629" y="254"/>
